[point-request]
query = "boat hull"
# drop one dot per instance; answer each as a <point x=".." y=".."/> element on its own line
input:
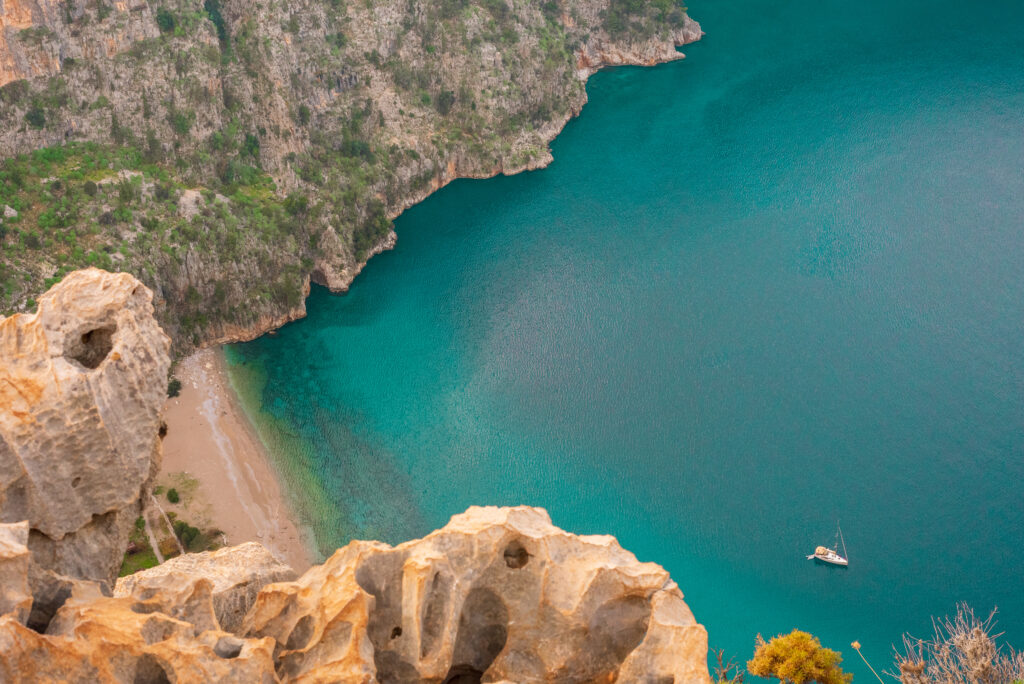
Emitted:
<point x="831" y="560"/>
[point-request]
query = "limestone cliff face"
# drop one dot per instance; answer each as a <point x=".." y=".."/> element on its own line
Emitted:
<point x="43" y="52"/>
<point x="361" y="108"/>
<point x="82" y="386"/>
<point x="499" y="594"/>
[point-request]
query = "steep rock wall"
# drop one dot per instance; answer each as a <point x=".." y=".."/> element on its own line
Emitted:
<point x="363" y="109"/>
<point x="82" y="387"/>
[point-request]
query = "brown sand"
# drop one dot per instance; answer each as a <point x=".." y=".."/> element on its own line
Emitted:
<point x="214" y="459"/>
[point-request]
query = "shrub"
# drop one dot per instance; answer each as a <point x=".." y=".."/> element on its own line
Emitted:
<point x="31" y="240"/>
<point x="174" y="387"/>
<point x="296" y="204"/>
<point x="90" y="188"/>
<point x="165" y="20"/>
<point x="251" y="146"/>
<point x="35" y="117"/>
<point x="962" y="650"/>
<point x="172" y="495"/>
<point x="181" y="121"/>
<point x="212" y="8"/>
<point x="798" y="658"/>
<point x="304" y="114"/>
<point x="14" y="92"/>
<point x="185" y="533"/>
<point x="723" y="671"/>
<point x="445" y="101"/>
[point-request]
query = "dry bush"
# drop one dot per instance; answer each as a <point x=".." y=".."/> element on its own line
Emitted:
<point x="963" y="651"/>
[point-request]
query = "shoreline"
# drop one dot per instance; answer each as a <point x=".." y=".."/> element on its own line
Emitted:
<point x="213" y="456"/>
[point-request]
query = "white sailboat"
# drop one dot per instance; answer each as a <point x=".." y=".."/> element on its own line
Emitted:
<point x="831" y="556"/>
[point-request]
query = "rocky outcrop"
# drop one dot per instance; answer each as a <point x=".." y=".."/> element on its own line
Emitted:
<point x="499" y="594"/>
<point x="212" y="590"/>
<point x="82" y="387"/>
<point x="15" y="596"/>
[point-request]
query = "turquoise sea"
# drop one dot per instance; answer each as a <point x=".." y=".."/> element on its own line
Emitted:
<point x="772" y="286"/>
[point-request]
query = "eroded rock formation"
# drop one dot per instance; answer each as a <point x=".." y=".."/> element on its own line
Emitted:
<point x="211" y="590"/>
<point x="82" y="387"/>
<point x="499" y="594"/>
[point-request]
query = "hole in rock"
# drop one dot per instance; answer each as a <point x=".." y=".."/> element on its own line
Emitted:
<point x="156" y="629"/>
<point x="149" y="670"/>
<point x="145" y="608"/>
<point x="77" y="481"/>
<point x="432" y="622"/>
<point x="90" y="348"/>
<point x="228" y="647"/>
<point x="45" y="604"/>
<point x="463" y="674"/>
<point x="301" y="633"/>
<point x="163" y="430"/>
<point x="396" y="632"/>
<point x="516" y="555"/>
<point x="481" y="636"/>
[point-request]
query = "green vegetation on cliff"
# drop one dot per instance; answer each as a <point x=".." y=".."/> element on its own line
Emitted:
<point x="85" y="204"/>
<point x="301" y="127"/>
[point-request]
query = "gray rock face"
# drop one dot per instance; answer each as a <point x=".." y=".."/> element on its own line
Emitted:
<point x="82" y="386"/>
<point x="15" y="596"/>
<point x="213" y="589"/>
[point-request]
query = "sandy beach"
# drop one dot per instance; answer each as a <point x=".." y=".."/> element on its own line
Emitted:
<point x="214" y="459"/>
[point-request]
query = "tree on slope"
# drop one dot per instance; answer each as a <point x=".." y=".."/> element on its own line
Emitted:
<point x="798" y="658"/>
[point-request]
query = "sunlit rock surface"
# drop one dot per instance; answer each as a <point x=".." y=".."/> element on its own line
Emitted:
<point x="499" y="593"/>
<point x="82" y="386"/>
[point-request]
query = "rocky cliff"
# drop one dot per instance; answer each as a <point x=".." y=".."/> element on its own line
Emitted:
<point x="499" y="594"/>
<point x="82" y="388"/>
<point x="227" y="152"/>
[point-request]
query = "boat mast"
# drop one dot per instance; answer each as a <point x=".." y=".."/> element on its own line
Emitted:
<point x="839" y="531"/>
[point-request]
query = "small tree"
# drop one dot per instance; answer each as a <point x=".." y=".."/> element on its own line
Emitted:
<point x="165" y="20"/>
<point x="723" y="669"/>
<point x="798" y="658"/>
<point x="35" y="117"/>
<point x="174" y="387"/>
<point x="172" y="495"/>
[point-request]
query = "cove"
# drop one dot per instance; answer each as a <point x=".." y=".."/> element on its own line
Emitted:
<point x="767" y="288"/>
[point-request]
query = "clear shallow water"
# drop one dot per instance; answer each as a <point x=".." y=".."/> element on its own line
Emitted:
<point x="774" y="285"/>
